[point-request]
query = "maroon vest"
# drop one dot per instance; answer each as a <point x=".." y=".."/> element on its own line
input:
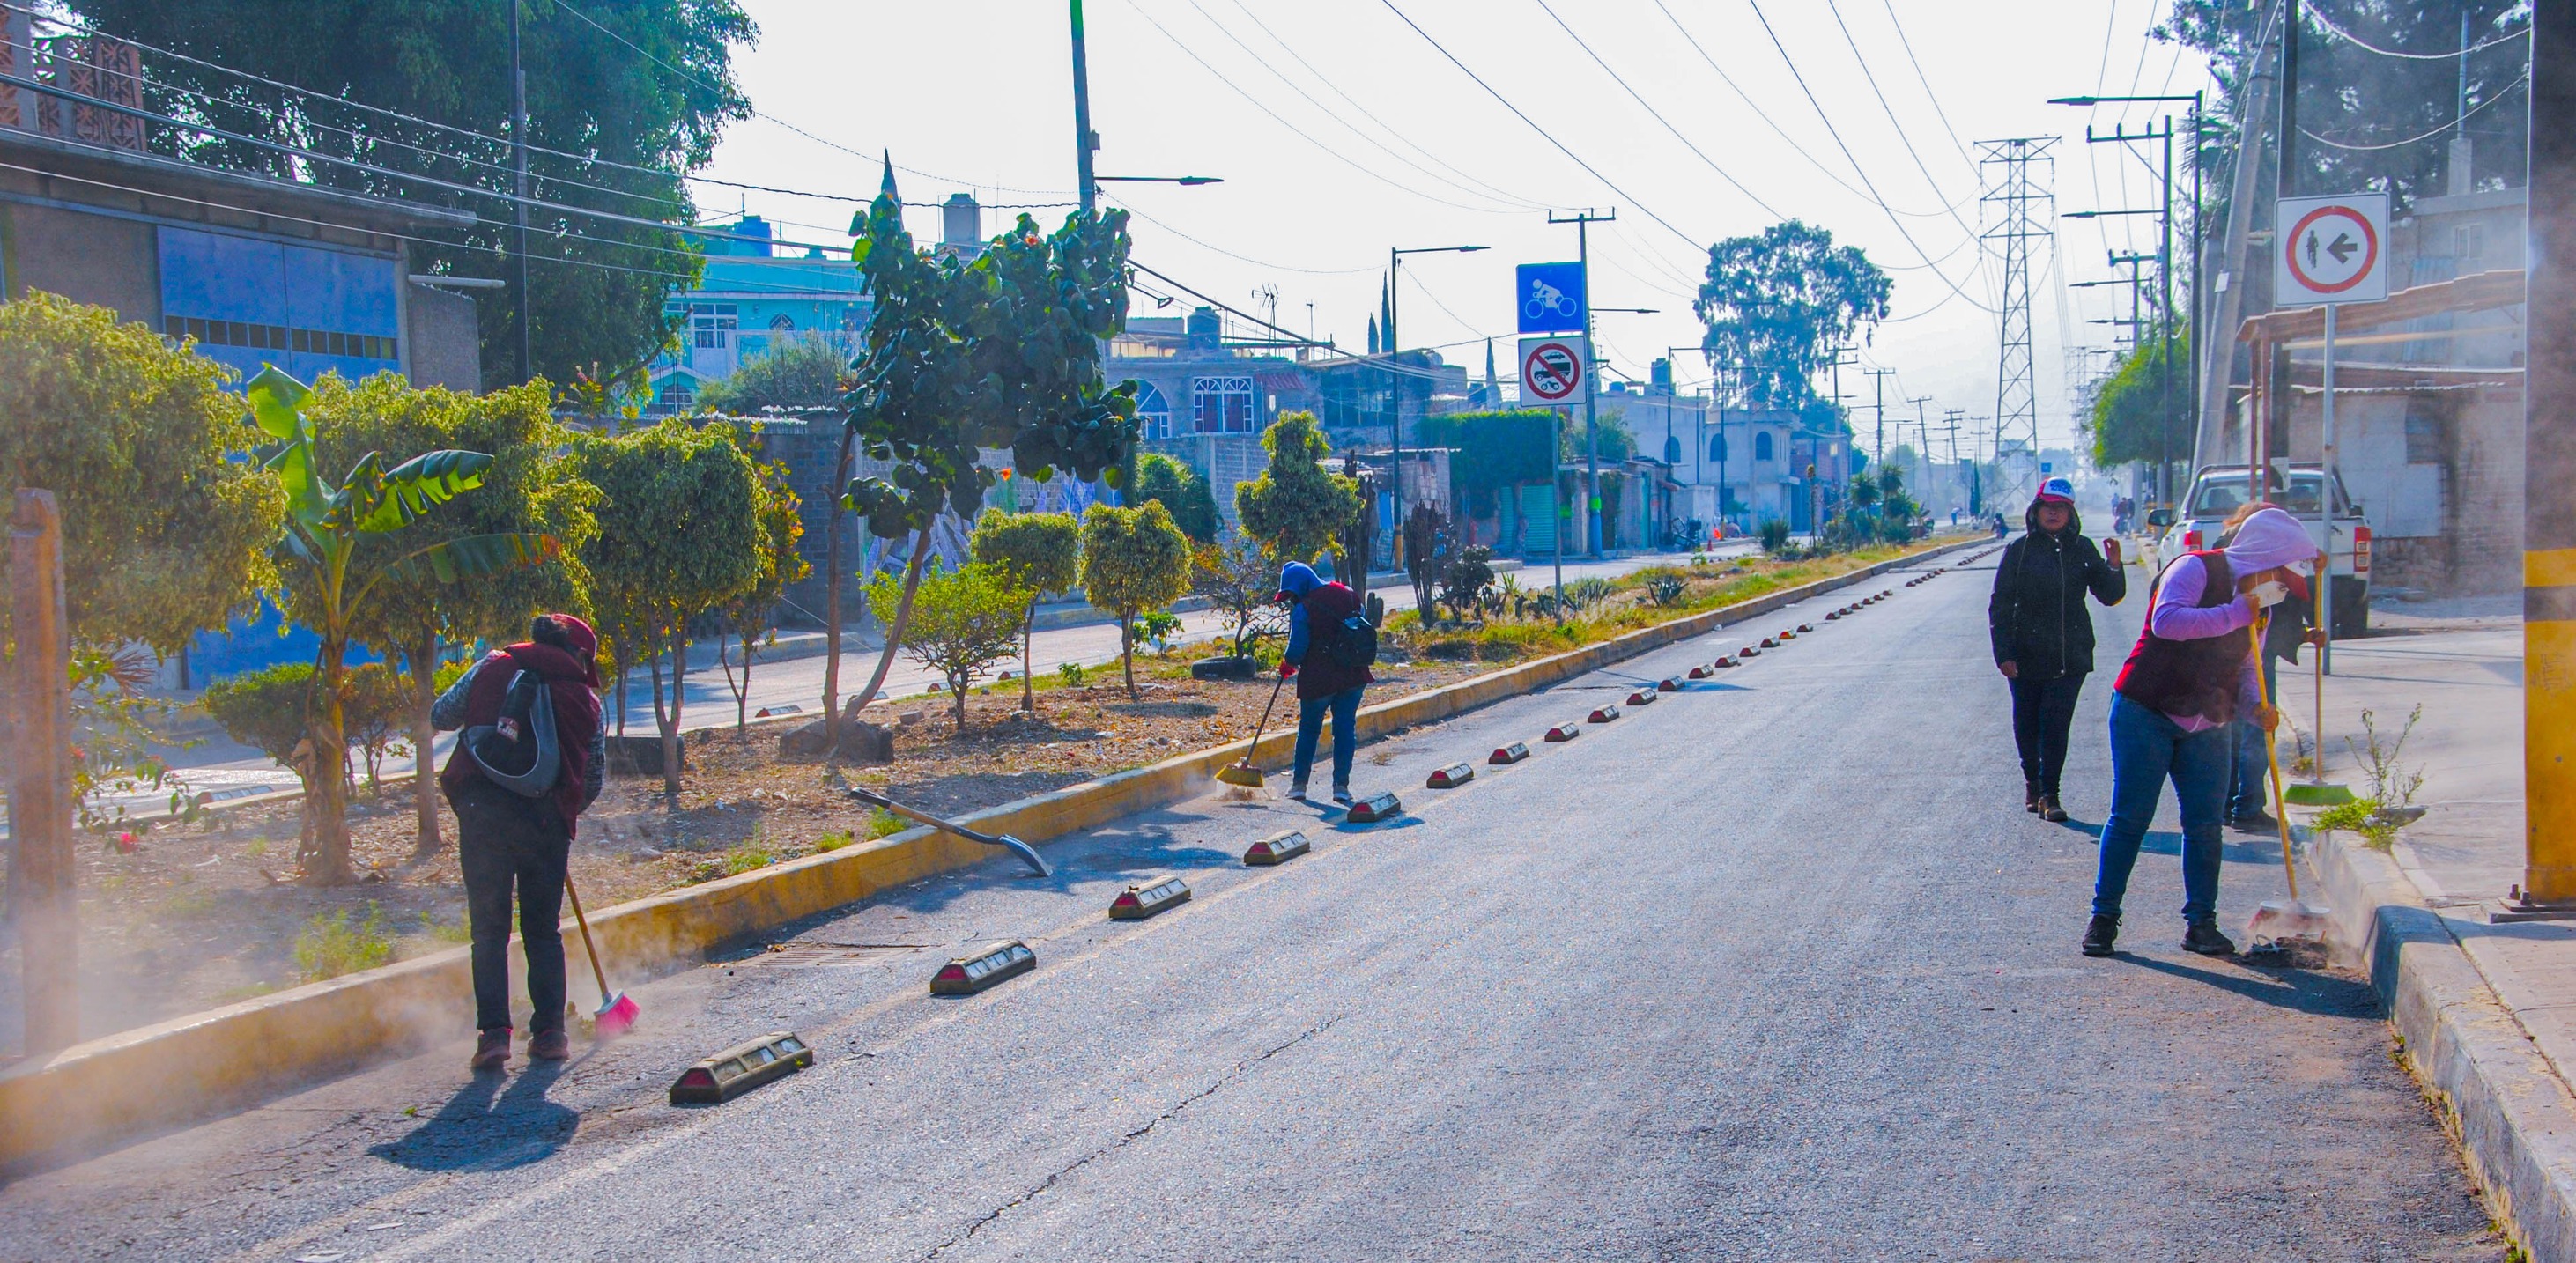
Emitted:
<point x="2189" y="677"/>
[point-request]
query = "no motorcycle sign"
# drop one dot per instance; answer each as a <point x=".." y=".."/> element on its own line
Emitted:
<point x="1552" y="371"/>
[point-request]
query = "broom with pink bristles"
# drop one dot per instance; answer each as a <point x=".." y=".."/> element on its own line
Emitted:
<point x="617" y="1010"/>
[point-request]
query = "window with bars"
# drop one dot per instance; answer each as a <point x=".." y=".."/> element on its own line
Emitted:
<point x="259" y="337"/>
<point x="1221" y="405"/>
<point x="713" y="324"/>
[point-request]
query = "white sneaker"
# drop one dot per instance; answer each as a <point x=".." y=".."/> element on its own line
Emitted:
<point x="1297" y="793"/>
<point x="1343" y="796"/>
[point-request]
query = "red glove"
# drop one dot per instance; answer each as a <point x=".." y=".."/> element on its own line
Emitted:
<point x="1287" y="670"/>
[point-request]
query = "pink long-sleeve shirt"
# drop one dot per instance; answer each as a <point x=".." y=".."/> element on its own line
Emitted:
<point x="2179" y="615"/>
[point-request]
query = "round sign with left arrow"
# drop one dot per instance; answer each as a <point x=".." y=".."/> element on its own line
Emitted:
<point x="2330" y="250"/>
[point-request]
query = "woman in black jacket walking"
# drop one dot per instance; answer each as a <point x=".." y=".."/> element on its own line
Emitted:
<point x="2043" y="635"/>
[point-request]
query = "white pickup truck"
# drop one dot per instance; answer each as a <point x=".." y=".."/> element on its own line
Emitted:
<point x="2219" y="490"/>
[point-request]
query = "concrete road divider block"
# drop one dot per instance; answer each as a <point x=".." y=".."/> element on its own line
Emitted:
<point x="996" y="962"/>
<point x="1139" y="902"/>
<point x="1833" y="615"/>
<point x="1504" y="756"/>
<point x="1602" y="714"/>
<point x="1703" y="671"/>
<point x="739" y="1069"/>
<point x="1748" y="652"/>
<point x="1374" y="808"/>
<point x="1768" y="642"/>
<point x="1278" y="848"/>
<point x="1450" y="777"/>
<point x="1723" y="663"/>
<point x="1642" y="697"/>
<point x="1669" y="684"/>
<point x="1806" y="627"/>
<point x="1564" y="732"/>
<point x="1787" y="634"/>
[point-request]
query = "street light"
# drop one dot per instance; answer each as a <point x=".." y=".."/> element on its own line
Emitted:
<point x="1158" y="179"/>
<point x="1395" y="401"/>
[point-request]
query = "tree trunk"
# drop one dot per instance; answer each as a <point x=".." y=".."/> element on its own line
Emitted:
<point x="832" y="585"/>
<point x="424" y="769"/>
<point x="1127" y="650"/>
<point x="957" y="696"/>
<point x="894" y="626"/>
<point x="670" y="719"/>
<point x="1028" y="638"/>
<point x="326" y="788"/>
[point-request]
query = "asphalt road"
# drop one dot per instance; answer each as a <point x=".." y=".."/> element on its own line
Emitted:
<point x="1775" y="968"/>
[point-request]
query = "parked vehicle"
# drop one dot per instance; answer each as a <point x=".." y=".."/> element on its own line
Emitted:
<point x="2219" y="490"/>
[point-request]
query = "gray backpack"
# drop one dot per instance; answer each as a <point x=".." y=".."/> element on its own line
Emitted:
<point x="518" y="751"/>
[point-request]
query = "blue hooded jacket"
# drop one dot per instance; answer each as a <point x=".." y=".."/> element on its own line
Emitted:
<point x="1310" y="597"/>
<point x="1296" y="579"/>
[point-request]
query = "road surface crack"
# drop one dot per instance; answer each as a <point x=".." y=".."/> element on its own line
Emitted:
<point x="1241" y="1071"/>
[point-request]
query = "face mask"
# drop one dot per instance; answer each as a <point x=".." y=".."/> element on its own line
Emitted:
<point x="2270" y="593"/>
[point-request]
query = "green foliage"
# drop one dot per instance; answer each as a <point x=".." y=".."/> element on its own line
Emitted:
<point x="807" y="372"/>
<point x="1494" y="449"/>
<point x="330" y="945"/>
<point x="448" y="62"/>
<point x="163" y="536"/>
<point x="1181" y="490"/>
<point x="1296" y="508"/>
<point x="1074" y="674"/>
<point x="1774" y="534"/>
<point x="1157" y="627"/>
<point x="375" y="707"/>
<point x="1664" y="587"/>
<point x="680" y="536"/>
<point x="263" y="710"/>
<point x="1467" y="580"/>
<point x="1776" y="306"/>
<point x="2129" y="418"/>
<point x="779" y="515"/>
<point x="963" y="621"/>
<point x="1616" y="444"/>
<point x="120" y="726"/>
<point x="833" y="841"/>
<point x="1041" y="551"/>
<point x="1239" y="584"/>
<point x="1133" y="560"/>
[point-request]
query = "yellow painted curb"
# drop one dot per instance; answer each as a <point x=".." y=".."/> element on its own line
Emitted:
<point x="157" y="1077"/>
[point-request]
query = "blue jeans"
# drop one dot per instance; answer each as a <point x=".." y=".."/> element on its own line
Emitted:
<point x="2146" y="750"/>
<point x="2251" y="789"/>
<point x="1345" y="706"/>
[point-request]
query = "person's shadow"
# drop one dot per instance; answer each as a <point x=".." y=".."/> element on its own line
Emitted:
<point x="2255" y="850"/>
<point x="495" y="1122"/>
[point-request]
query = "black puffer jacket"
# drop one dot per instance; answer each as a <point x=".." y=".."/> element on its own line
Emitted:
<point x="2037" y="616"/>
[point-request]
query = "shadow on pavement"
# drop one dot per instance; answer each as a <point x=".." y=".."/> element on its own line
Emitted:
<point x="2169" y="842"/>
<point x="2302" y="991"/>
<point x="495" y="1122"/>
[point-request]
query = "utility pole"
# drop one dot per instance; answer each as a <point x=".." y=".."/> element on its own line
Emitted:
<point x="1878" y="383"/>
<point x="1583" y="221"/>
<point x="1084" y="139"/>
<point x="40" y="788"/>
<point x="519" y="179"/>
<point x="2548" y="886"/>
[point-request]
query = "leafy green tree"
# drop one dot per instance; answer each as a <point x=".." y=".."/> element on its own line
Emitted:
<point x="792" y="373"/>
<point x="963" y="621"/>
<point x="1239" y="581"/>
<point x="1181" y="490"/>
<point x="642" y="108"/>
<point x="376" y="707"/>
<point x="1493" y="450"/>
<point x="530" y="489"/>
<point x="163" y="535"/>
<point x="753" y="615"/>
<point x="269" y="710"/>
<point x="1616" y="444"/>
<point x="2129" y="420"/>
<point x="680" y="536"/>
<point x="1776" y="306"/>
<point x="1133" y="560"/>
<point x="1296" y="507"/>
<point x="1000" y="352"/>
<point x="344" y="539"/>
<point x="1041" y="552"/>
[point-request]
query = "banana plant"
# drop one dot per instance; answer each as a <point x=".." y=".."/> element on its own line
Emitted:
<point x="342" y="538"/>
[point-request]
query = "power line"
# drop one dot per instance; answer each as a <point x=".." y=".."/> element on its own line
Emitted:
<point x="1243" y="258"/>
<point x="2522" y="81"/>
<point x="1544" y="134"/>
<point x="1871" y="78"/>
<point x="2314" y="15"/>
<point x="1921" y="78"/>
<point x="1631" y="90"/>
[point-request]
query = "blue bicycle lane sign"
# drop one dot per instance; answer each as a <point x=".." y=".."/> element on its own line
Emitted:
<point x="1550" y="297"/>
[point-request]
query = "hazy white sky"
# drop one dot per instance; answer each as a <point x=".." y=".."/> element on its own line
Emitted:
<point x="1340" y="131"/>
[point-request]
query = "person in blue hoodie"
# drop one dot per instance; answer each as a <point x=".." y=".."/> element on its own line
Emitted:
<point x="1324" y="683"/>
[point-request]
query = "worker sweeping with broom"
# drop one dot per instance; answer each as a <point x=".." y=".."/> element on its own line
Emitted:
<point x="2191" y="675"/>
<point x="1330" y="646"/>
<point x="530" y="759"/>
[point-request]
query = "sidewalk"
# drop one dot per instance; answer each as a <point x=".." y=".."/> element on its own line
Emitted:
<point x="2486" y="1012"/>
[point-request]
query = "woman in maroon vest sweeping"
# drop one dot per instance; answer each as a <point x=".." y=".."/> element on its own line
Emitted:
<point x="2190" y="677"/>
<point x="506" y="839"/>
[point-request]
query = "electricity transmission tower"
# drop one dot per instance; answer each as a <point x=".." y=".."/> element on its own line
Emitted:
<point x="2017" y="194"/>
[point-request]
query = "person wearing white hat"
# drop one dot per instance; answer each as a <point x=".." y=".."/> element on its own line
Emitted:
<point x="2043" y="632"/>
<point x="2191" y="676"/>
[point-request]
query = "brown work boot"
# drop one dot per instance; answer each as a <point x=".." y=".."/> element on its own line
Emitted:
<point x="2050" y="811"/>
<point x="551" y="1045"/>
<point x="492" y="1050"/>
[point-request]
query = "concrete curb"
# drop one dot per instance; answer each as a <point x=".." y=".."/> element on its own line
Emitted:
<point x="2514" y="1117"/>
<point x="125" y="1086"/>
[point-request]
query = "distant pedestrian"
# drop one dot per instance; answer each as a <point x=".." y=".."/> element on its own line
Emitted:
<point x="508" y="838"/>
<point x="2043" y="633"/>
<point x="2000" y="528"/>
<point x="1330" y="665"/>
<point x="2293" y="623"/>
<point x="2191" y="676"/>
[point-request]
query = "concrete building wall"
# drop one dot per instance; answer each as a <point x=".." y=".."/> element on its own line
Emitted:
<point x="96" y="259"/>
<point x="445" y="345"/>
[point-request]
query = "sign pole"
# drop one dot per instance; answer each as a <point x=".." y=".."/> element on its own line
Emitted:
<point x="1556" y="505"/>
<point x="2325" y="510"/>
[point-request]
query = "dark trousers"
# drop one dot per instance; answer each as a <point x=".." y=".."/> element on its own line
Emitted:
<point x="1345" y="710"/>
<point x="2043" y="713"/>
<point x="2252" y="787"/>
<point x="506" y="841"/>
